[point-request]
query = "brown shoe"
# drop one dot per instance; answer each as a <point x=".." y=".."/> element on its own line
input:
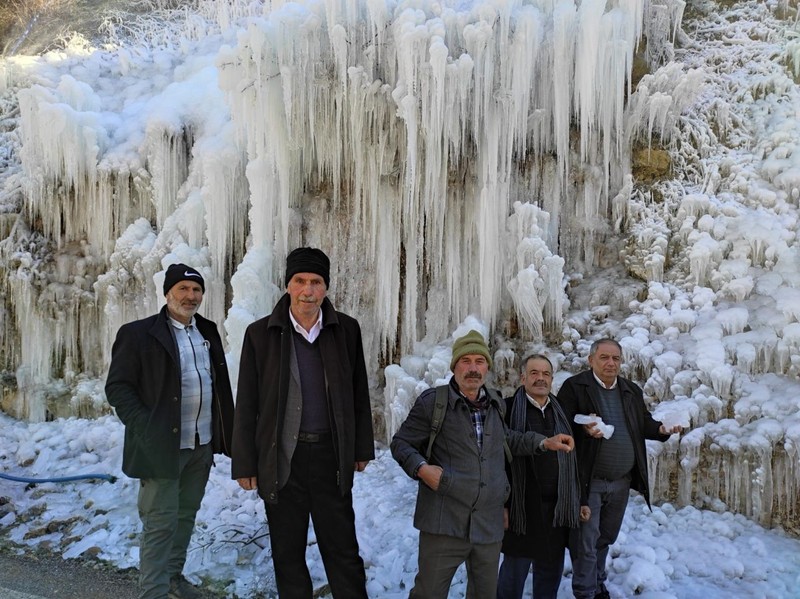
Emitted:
<point x="180" y="588"/>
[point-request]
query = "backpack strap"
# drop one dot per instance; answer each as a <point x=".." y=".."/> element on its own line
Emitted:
<point x="439" y="409"/>
<point x="501" y="406"/>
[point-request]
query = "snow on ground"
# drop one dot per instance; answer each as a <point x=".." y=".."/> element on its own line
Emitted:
<point x="671" y="553"/>
<point x="723" y="314"/>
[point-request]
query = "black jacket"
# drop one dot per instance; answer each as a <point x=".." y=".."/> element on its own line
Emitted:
<point x="264" y="386"/>
<point x="541" y="541"/>
<point x="580" y="394"/>
<point x="144" y="387"/>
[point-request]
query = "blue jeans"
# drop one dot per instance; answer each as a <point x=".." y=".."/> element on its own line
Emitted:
<point x="514" y="573"/>
<point x="589" y="544"/>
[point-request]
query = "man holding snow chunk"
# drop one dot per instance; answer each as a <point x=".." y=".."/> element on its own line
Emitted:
<point x="460" y="465"/>
<point x="610" y="461"/>
<point x="169" y="384"/>
<point x="303" y="426"/>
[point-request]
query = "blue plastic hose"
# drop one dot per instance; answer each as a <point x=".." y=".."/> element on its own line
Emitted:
<point x="59" y="479"/>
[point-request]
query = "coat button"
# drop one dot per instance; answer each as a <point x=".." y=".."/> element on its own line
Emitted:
<point x="272" y="496"/>
<point x="174" y="430"/>
<point x="175" y="398"/>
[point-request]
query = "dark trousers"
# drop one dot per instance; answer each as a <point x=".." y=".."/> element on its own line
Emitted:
<point x="168" y="508"/>
<point x="589" y="544"/>
<point x="548" y="568"/>
<point x="439" y="558"/>
<point x="514" y="572"/>
<point x="312" y="490"/>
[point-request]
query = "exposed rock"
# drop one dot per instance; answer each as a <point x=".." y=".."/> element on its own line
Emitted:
<point x="650" y="164"/>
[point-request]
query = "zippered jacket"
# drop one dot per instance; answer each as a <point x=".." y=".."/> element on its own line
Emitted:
<point x="144" y="387"/>
<point x="473" y="489"/>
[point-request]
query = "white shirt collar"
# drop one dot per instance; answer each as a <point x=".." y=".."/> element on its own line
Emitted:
<point x="179" y="325"/>
<point x="311" y="335"/>
<point x="535" y="404"/>
<point x="602" y="384"/>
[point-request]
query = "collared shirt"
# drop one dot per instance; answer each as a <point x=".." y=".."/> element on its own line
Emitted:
<point x="602" y="384"/>
<point x="535" y="403"/>
<point x="311" y="335"/>
<point x="196" y="384"/>
<point x="477" y="411"/>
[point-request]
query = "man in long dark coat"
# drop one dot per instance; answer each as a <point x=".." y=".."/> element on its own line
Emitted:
<point x="303" y="426"/>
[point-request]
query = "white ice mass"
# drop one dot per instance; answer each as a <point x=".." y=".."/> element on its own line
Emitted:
<point x="547" y="171"/>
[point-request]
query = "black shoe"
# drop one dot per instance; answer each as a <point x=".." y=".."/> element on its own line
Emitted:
<point x="180" y="588"/>
<point x="602" y="593"/>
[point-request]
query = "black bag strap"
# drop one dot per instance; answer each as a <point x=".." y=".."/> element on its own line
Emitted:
<point x="440" y="409"/>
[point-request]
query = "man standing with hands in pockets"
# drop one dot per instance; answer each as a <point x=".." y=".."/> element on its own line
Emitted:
<point x="458" y="453"/>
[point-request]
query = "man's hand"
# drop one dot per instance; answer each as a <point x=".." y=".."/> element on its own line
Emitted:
<point x="505" y="518"/>
<point x="560" y="442"/>
<point x="359" y="466"/>
<point x="248" y="483"/>
<point x="430" y="475"/>
<point x="670" y="431"/>
<point x="592" y="430"/>
<point x="586" y="513"/>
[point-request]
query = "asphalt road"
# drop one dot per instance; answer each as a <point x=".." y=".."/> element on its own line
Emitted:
<point x="44" y="576"/>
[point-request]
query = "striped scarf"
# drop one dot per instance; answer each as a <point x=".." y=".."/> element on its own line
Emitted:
<point x="568" y="502"/>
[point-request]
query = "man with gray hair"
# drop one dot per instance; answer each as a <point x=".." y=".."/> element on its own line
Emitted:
<point x="544" y="503"/>
<point x="610" y="464"/>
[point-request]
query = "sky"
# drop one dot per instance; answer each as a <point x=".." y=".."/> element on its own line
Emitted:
<point x="711" y="327"/>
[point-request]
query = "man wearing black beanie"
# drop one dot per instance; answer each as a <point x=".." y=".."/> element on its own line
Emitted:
<point x="303" y="426"/>
<point x="169" y="384"/>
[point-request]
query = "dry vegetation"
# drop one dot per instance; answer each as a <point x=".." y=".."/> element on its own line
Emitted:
<point x="15" y="15"/>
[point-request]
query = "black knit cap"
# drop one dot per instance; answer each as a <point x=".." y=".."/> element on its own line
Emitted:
<point x="308" y="260"/>
<point x="181" y="272"/>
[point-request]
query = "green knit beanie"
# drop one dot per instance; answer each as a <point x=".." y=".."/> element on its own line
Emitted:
<point x="471" y="343"/>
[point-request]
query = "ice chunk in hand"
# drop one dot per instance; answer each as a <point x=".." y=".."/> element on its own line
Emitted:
<point x="606" y="429"/>
<point x="673" y="419"/>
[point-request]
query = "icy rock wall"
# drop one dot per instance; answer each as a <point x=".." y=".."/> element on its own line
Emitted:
<point x="713" y="336"/>
<point x="422" y="125"/>
<point x="451" y="158"/>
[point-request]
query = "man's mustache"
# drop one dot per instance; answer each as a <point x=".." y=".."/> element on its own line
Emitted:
<point x="473" y="374"/>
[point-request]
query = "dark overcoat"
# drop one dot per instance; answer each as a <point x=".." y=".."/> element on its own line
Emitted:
<point x="264" y="386"/>
<point x="144" y="387"/>
<point x="541" y="540"/>
<point x="580" y="394"/>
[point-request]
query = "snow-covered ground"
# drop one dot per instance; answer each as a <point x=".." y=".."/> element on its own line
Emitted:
<point x="711" y="326"/>
<point x="671" y="553"/>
